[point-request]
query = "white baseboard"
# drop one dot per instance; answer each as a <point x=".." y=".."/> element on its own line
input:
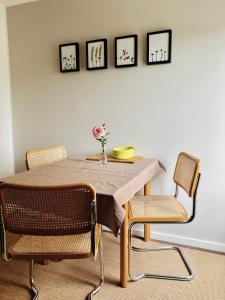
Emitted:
<point x="177" y="239"/>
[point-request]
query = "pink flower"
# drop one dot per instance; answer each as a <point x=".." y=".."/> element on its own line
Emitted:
<point x="98" y="131"/>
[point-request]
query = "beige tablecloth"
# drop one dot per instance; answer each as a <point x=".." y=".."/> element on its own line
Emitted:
<point x="115" y="183"/>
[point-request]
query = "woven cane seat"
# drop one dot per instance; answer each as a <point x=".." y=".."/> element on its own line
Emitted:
<point x="70" y="245"/>
<point x="156" y="209"/>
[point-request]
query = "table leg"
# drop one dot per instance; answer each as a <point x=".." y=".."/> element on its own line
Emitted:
<point x="124" y="250"/>
<point x="147" y="232"/>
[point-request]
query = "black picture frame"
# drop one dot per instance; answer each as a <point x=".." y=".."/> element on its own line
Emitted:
<point x="122" y="56"/>
<point x="71" y="62"/>
<point x="157" y="54"/>
<point x="94" y="58"/>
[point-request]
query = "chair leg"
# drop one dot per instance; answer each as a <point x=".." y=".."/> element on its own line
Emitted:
<point x="101" y="264"/>
<point x="33" y="290"/>
<point x="157" y="276"/>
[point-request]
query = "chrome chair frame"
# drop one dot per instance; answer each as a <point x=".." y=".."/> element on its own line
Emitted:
<point x="176" y="248"/>
<point x="33" y="289"/>
<point x="101" y="264"/>
<point x="93" y="249"/>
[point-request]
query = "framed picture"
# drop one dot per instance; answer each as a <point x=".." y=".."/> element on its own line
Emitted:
<point x="69" y="57"/>
<point x="96" y="54"/>
<point x="126" y="51"/>
<point x="159" y="47"/>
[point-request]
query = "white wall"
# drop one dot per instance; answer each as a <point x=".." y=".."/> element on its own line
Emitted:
<point x="8" y="3"/>
<point x="161" y="110"/>
<point x="6" y="150"/>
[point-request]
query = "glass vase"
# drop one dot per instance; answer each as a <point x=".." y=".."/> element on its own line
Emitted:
<point x="103" y="156"/>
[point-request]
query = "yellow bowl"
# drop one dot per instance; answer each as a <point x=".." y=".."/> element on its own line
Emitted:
<point x="123" y="152"/>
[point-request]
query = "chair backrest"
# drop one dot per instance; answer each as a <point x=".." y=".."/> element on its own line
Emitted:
<point x="44" y="210"/>
<point x="42" y="156"/>
<point x="187" y="172"/>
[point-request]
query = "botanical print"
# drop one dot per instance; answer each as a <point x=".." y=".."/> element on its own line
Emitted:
<point x="158" y="47"/>
<point x="96" y="54"/>
<point x="68" y="58"/>
<point x="125" y="51"/>
<point x="124" y="56"/>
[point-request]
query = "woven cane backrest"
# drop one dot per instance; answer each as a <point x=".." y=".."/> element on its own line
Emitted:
<point x="186" y="172"/>
<point x="58" y="210"/>
<point x="43" y="156"/>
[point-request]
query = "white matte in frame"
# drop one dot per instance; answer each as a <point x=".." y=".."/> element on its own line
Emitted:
<point x="158" y="47"/>
<point x="126" y="51"/>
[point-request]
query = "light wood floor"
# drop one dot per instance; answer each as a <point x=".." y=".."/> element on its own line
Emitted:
<point x="73" y="279"/>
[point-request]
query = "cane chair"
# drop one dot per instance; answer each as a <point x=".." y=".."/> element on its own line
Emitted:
<point x="54" y="223"/>
<point x="42" y="156"/>
<point x="166" y="209"/>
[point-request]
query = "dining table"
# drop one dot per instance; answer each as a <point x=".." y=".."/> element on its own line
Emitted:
<point x="115" y="184"/>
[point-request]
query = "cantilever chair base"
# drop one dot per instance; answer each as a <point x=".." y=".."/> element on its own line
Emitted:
<point x="33" y="289"/>
<point x="101" y="281"/>
<point x="158" y="276"/>
<point x="163" y="209"/>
